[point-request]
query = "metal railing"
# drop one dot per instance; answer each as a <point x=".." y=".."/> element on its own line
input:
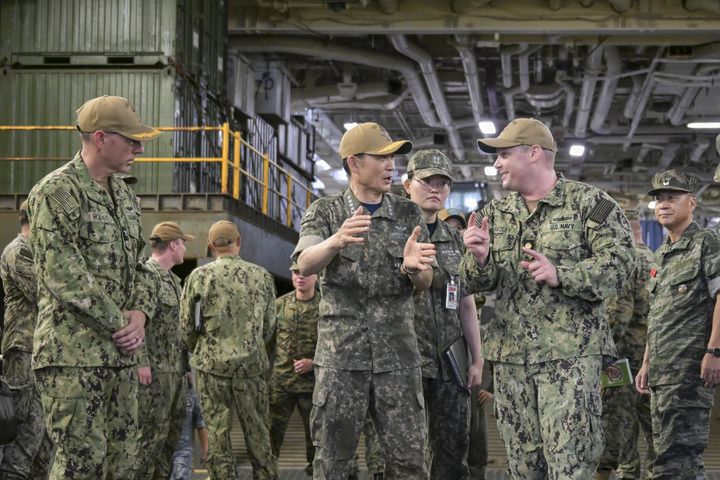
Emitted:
<point x="232" y="171"/>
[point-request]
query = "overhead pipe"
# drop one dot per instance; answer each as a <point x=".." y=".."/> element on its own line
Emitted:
<point x="384" y="103"/>
<point x="709" y="6"/>
<point x="523" y="86"/>
<point x="668" y="155"/>
<point x="389" y="6"/>
<point x="427" y="67"/>
<point x="631" y="103"/>
<point x="330" y="51"/>
<point x="620" y="6"/>
<point x="569" y="102"/>
<point x="466" y="6"/>
<point x="607" y="92"/>
<point x="644" y="96"/>
<point x="506" y="54"/>
<point x="682" y="104"/>
<point x="472" y="78"/>
<point x="701" y="146"/>
<point x="593" y="65"/>
<point x="331" y="93"/>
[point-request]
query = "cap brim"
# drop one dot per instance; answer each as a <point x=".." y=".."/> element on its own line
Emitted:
<point x="401" y="147"/>
<point x="142" y="133"/>
<point x="490" y="145"/>
<point x="655" y="191"/>
<point x="429" y="172"/>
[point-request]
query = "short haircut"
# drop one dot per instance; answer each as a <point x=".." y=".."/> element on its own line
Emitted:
<point x="24" y="219"/>
<point x="160" y="246"/>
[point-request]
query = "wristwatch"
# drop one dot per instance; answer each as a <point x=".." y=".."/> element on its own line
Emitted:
<point x="715" y="351"/>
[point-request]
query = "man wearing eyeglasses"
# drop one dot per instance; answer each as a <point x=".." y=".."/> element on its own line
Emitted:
<point x="92" y="300"/>
<point x="365" y="246"/>
<point x="553" y="249"/>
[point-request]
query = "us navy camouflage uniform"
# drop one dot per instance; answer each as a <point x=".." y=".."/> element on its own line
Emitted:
<point x="682" y="297"/>
<point x="28" y="456"/>
<point x="625" y="411"/>
<point x="230" y="355"/>
<point x="295" y="339"/>
<point x="437" y="327"/>
<point x="546" y="344"/>
<point x="367" y="355"/>
<point x="161" y="405"/>
<point x="88" y="259"/>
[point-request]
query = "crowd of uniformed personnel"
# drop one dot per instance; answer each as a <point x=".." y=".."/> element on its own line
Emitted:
<point x="380" y="334"/>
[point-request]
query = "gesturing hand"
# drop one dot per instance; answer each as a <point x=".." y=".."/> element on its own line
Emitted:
<point x="541" y="269"/>
<point x="352" y="228"/>
<point x="417" y="255"/>
<point x="477" y="239"/>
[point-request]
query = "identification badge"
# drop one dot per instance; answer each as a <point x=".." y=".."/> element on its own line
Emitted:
<point x="451" y="295"/>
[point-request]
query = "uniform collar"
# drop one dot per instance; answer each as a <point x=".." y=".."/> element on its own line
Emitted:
<point x="387" y="208"/>
<point x="94" y="191"/>
<point x="442" y="232"/>
<point x="685" y="238"/>
<point x="554" y="198"/>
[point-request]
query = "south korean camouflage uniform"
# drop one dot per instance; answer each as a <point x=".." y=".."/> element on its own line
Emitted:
<point x="683" y="293"/>
<point x="295" y="339"/>
<point x="161" y="405"/>
<point x="28" y="456"/>
<point x="88" y="249"/>
<point x="366" y="341"/>
<point x="230" y="355"/>
<point x="547" y="344"/>
<point x="625" y="411"/>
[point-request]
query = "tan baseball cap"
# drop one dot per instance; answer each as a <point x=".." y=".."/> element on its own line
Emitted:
<point x="167" y="231"/>
<point x="373" y="139"/>
<point x="223" y="233"/>
<point x="673" y="180"/>
<point x="446" y="213"/>
<point x="521" y="131"/>
<point x="426" y="163"/>
<point x="113" y="114"/>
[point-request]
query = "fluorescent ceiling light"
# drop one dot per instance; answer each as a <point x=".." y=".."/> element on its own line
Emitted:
<point x="321" y="165"/>
<point x="318" y="184"/>
<point x="349" y="125"/>
<point x="651" y="204"/>
<point x="487" y="128"/>
<point x="708" y="125"/>
<point x="577" y="150"/>
<point x="490" y="171"/>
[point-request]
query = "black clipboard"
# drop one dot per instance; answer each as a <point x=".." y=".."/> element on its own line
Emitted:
<point x="457" y="357"/>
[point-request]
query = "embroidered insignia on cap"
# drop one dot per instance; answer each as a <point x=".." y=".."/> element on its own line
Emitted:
<point x="601" y="211"/>
<point x="666" y="182"/>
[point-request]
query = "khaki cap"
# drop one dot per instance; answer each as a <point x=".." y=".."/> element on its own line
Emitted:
<point x="673" y="180"/>
<point x="113" y="114"/>
<point x="223" y="233"/>
<point x="632" y="214"/>
<point x="373" y="139"/>
<point x="446" y="213"/>
<point x="167" y="231"/>
<point x="521" y="131"/>
<point x="426" y="163"/>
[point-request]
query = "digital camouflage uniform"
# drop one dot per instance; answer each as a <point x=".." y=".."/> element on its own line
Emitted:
<point x="682" y="297"/>
<point x="437" y="327"/>
<point x="28" y="456"/>
<point x="192" y="420"/>
<point x="367" y="357"/>
<point x="478" y="446"/>
<point x="295" y="339"/>
<point x="230" y="355"/>
<point x="546" y="344"/>
<point x="374" y="460"/>
<point x="625" y="411"/>
<point x="161" y="405"/>
<point x="88" y="259"/>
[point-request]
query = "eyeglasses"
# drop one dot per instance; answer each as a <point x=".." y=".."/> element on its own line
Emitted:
<point x="129" y="141"/>
<point x="442" y="185"/>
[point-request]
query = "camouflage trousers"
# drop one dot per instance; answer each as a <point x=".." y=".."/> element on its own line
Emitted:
<point x="373" y="452"/>
<point x="341" y="402"/>
<point x="91" y="415"/>
<point x="548" y="415"/>
<point x="477" y="458"/>
<point x="625" y="412"/>
<point x="30" y="454"/>
<point x="282" y="404"/>
<point x="161" y="411"/>
<point x="680" y="425"/>
<point x="448" y="416"/>
<point x="249" y="396"/>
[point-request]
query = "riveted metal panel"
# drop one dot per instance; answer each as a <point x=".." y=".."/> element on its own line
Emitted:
<point x="50" y="97"/>
<point x="43" y="28"/>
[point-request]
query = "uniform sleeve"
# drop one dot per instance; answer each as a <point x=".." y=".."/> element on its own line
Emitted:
<point x="476" y="278"/>
<point x="711" y="262"/>
<point x="641" y="305"/>
<point x="197" y="417"/>
<point x="269" y="318"/>
<point x="315" y="228"/>
<point x="187" y="313"/>
<point x="61" y="267"/>
<point x="611" y="259"/>
<point x="144" y="296"/>
<point x="23" y="274"/>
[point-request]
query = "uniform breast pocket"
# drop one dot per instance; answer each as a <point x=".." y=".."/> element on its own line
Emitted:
<point x="99" y="232"/>
<point x="563" y="249"/>
<point x="503" y="248"/>
<point x="395" y="257"/>
<point x="684" y="281"/>
<point x="344" y="268"/>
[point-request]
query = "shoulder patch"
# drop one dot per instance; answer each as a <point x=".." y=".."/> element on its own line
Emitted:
<point x="601" y="211"/>
<point x="63" y="198"/>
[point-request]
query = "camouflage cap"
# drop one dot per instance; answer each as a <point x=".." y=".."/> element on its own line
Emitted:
<point x="113" y="114"/>
<point x="426" y="163"/>
<point x="716" y="177"/>
<point x="373" y="139"/>
<point x="446" y="213"/>
<point x="223" y="233"/>
<point x="521" y="131"/>
<point x="673" y="180"/>
<point x="167" y="231"/>
<point x="632" y="214"/>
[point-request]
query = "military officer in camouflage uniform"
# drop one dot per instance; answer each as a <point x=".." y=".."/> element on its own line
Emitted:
<point x="553" y="249"/>
<point x="161" y="402"/>
<point x="440" y="320"/>
<point x="227" y="316"/>
<point x="87" y="244"/>
<point x="682" y="359"/>
<point x="364" y="244"/>
<point x="625" y="412"/>
<point x="292" y="380"/>
<point x="28" y="456"/>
